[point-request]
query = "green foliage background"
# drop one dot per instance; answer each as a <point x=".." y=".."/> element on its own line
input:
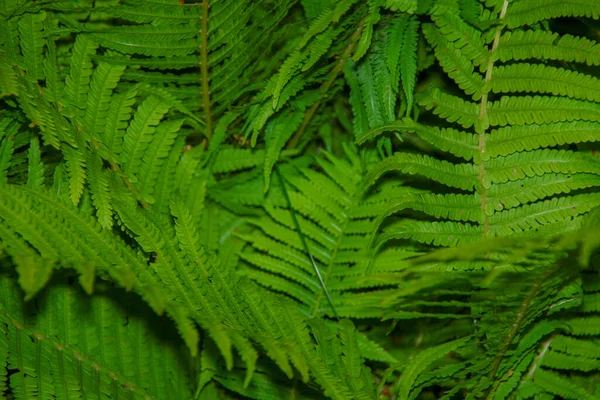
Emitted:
<point x="281" y="199"/>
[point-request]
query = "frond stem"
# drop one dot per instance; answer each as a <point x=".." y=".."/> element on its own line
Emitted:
<point x="332" y="76"/>
<point x="204" y="70"/>
<point x="484" y="122"/>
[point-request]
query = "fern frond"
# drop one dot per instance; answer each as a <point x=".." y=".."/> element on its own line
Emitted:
<point x="80" y="71"/>
<point x="32" y="43"/>
<point x="455" y="63"/>
<point x="118" y="113"/>
<point x="504" y="141"/>
<point x="458" y="32"/>
<point x="553" y="383"/>
<point x="451" y="108"/>
<point x="528" y="12"/>
<point x="527" y="190"/>
<point x="8" y="81"/>
<point x="418" y="365"/>
<point x="33" y="215"/>
<point x="407" y="6"/>
<point x="395" y="32"/>
<point x="317" y="31"/>
<point x="277" y="134"/>
<point x="532" y="78"/>
<point x="105" y="78"/>
<point x="359" y="122"/>
<point x="459" y="143"/>
<point x="408" y="66"/>
<point x="540" y="110"/>
<point x="35" y="167"/>
<point x="75" y="162"/>
<point x="140" y="133"/>
<point x="73" y="344"/>
<point x="535" y="163"/>
<point x="232" y="159"/>
<point x="539" y="44"/>
<point x="327" y="208"/>
<point x="156" y="153"/>
<point x="462" y="176"/>
<point x="464" y="252"/>
<point x="98" y="181"/>
<point x="6" y="152"/>
<point x="542" y="213"/>
<point x="436" y="233"/>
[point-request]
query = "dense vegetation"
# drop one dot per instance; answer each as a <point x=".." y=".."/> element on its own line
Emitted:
<point x="283" y="199"/>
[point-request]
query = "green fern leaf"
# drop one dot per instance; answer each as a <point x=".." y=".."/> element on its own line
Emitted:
<point x="451" y="108"/>
<point x="6" y="152"/>
<point x="104" y="80"/>
<point x="540" y="110"/>
<point x="408" y="64"/>
<point x="75" y="163"/>
<point x="35" y="167"/>
<point x="407" y="6"/>
<point x="455" y="63"/>
<point x="317" y="30"/>
<point x="367" y="35"/>
<point x="119" y="112"/>
<point x="77" y="82"/>
<point x="504" y="141"/>
<point x="459" y="143"/>
<point x="527" y="44"/>
<point x="557" y="385"/>
<point x="8" y="81"/>
<point x="76" y="345"/>
<point x="569" y="345"/>
<point x="395" y="32"/>
<point x="99" y="186"/>
<point x="463" y="36"/>
<point x="436" y="233"/>
<point x="32" y="43"/>
<point x="34" y="272"/>
<point x="360" y="121"/>
<point x="156" y="153"/>
<point x="140" y="133"/>
<point x="512" y="194"/>
<point x="545" y="79"/>
<point x="422" y="361"/>
<point x="277" y="134"/>
<point x="529" y="12"/>
<point x="462" y="176"/>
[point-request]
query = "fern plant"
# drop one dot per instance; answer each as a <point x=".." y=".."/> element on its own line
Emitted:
<point x="389" y="199"/>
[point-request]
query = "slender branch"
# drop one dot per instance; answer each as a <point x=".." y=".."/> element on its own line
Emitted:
<point x="332" y="76"/>
<point x="204" y="70"/>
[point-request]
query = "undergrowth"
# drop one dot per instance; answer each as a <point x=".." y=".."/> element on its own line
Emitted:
<point x="281" y="199"/>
